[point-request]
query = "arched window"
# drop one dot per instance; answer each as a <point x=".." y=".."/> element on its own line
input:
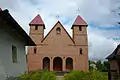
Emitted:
<point x="81" y="52"/>
<point x="35" y="50"/>
<point x="58" y="30"/>
<point x="69" y="64"/>
<point x="46" y="63"/>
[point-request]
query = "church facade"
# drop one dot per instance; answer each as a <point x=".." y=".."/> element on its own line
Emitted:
<point x="58" y="51"/>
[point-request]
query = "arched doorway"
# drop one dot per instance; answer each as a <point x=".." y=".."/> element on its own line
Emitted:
<point x="57" y="64"/>
<point x="69" y="64"/>
<point x="46" y="63"/>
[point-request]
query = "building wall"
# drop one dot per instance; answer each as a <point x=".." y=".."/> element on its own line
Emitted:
<point x="114" y="65"/>
<point x="7" y="67"/>
<point x="36" y="35"/>
<point x="58" y="46"/>
<point x="118" y="52"/>
<point x="80" y="37"/>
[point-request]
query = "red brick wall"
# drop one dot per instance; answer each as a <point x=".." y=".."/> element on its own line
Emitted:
<point x="59" y="46"/>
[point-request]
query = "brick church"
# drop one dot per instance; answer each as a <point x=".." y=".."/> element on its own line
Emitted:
<point x="58" y="51"/>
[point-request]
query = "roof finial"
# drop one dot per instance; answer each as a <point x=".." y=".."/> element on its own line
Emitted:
<point x="78" y="11"/>
<point x="39" y="10"/>
<point x="57" y="16"/>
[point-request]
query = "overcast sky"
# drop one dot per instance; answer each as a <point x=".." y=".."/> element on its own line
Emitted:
<point x="99" y="14"/>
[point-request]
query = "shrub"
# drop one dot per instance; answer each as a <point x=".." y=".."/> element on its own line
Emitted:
<point x="80" y="75"/>
<point x="36" y="75"/>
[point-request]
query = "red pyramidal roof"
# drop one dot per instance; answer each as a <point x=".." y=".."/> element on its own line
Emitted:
<point x="79" y="21"/>
<point x="37" y="21"/>
<point x="0" y="9"/>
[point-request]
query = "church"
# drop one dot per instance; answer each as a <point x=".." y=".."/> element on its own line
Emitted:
<point x="58" y="51"/>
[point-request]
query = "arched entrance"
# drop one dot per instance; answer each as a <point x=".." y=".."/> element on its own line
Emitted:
<point x="57" y="64"/>
<point x="69" y="64"/>
<point x="46" y="63"/>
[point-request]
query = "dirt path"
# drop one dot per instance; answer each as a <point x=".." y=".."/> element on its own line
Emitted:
<point x="59" y="77"/>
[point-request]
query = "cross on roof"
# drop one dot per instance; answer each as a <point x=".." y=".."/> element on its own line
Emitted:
<point x="78" y="11"/>
<point x="57" y="16"/>
<point x="39" y="10"/>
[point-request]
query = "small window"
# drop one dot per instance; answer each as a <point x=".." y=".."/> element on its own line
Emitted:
<point x="81" y="51"/>
<point x="80" y="28"/>
<point x="58" y="30"/>
<point x="35" y="50"/>
<point x="36" y="27"/>
<point x="14" y="54"/>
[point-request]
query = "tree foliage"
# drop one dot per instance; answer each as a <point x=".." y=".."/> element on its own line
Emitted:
<point x="101" y="66"/>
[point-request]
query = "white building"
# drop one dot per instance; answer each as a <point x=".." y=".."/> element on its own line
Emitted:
<point x="13" y="40"/>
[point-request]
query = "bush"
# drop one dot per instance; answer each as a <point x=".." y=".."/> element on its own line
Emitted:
<point x="36" y="75"/>
<point x="80" y="75"/>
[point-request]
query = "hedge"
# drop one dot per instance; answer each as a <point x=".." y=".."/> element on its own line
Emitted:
<point x="36" y="75"/>
<point x="80" y="75"/>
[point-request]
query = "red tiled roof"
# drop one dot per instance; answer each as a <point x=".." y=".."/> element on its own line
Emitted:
<point x="79" y="21"/>
<point x="0" y="9"/>
<point x="37" y="20"/>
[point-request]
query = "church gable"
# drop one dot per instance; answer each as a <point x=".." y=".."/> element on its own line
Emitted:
<point x="59" y="34"/>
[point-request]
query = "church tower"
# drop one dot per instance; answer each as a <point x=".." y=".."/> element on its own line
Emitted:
<point x="79" y="29"/>
<point x="37" y="27"/>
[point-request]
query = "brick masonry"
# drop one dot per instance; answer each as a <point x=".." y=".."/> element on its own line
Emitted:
<point x="58" y="45"/>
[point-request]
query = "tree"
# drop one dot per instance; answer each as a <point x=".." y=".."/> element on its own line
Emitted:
<point x="99" y="65"/>
<point x="92" y="65"/>
<point x="106" y="66"/>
